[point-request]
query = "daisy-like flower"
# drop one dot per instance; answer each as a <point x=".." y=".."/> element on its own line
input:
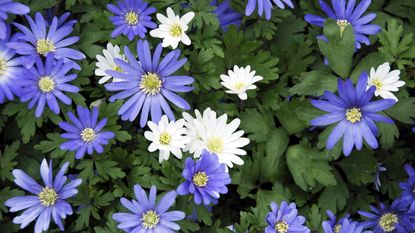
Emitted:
<point x="266" y="5"/>
<point x="332" y="223"/>
<point x="147" y="82"/>
<point x="41" y="40"/>
<point x="345" y="12"/>
<point x="226" y="15"/>
<point x="346" y="226"/>
<point x="239" y="81"/>
<point x="216" y="136"/>
<point x="354" y="113"/>
<point x="408" y="187"/>
<point x="85" y="133"/>
<point x="173" y="28"/>
<point x="132" y="18"/>
<point x="167" y="137"/>
<point x="46" y="202"/>
<point x="9" y="6"/>
<point x="147" y="215"/>
<point x="285" y="218"/>
<point x="46" y="84"/>
<point x="106" y="62"/>
<point x="206" y="179"/>
<point x="385" y="82"/>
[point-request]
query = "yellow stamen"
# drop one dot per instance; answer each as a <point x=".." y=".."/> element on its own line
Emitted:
<point x="150" y="83"/>
<point x="150" y="219"/>
<point x="239" y="86"/>
<point x="281" y="227"/>
<point x="378" y="84"/>
<point x="88" y="135"/>
<point x="2" y="66"/>
<point x="337" y="228"/>
<point x="44" y="46"/>
<point x="131" y="18"/>
<point x="176" y="30"/>
<point x="342" y="23"/>
<point x="353" y="115"/>
<point x="46" y="84"/>
<point x="48" y="196"/>
<point x="165" y="138"/>
<point x="388" y="221"/>
<point x="200" y="179"/>
<point x="215" y="145"/>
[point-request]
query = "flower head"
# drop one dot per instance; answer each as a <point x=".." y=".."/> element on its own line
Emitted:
<point x="148" y="83"/>
<point x="266" y="5"/>
<point x="346" y="226"/>
<point x="147" y="215"/>
<point x="107" y="62"/>
<point x="173" y="28"/>
<point x="385" y="82"/>
<point x="206" y="179"/>
<point x="239" y="81"/>
<point x="46" y="201"/>
<point x="9" y="6"/>
<point x="285" y="219"/>
<point x="226" y="15"/>
<point x="408" y="187"/>
<point x="132" y="18"/>
<point x="85" y="133"/>
<point x="354" y="113"/>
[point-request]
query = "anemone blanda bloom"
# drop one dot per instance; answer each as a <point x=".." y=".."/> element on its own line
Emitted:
<point x="9" y="6"/>
<point x="346" y="226"/>
<point x="354" y="113"/>
<point x="147" y="215"/>
<point x="46" y="202"/>
<point x="385" y="81"/>
<point x="85" y="133"/>
<point x="41" y="40"/>
<point x="408" y="187"/>
<point x="206" y="179"/>
<point x="106" y="62"/>
<point x="147" y="84"/>
<point x="345" y="12"/>
<point x="285" y="218"/>
<point x="240" y="80"/>
<point x="226" y="15"/>
<point x="46" y="83"/>
<point x="132" y="18"/>
<point x="265" y="5"/>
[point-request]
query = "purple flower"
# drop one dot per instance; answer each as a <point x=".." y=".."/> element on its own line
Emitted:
<point x="226" y="15"/>
<point x="408" y="194"/>
<point x="206" y="179"/>
<point x="346" y="226"/>
<point x="85" y="133"/>
<point x="284" y="218"/>
<point x="148" y="82"/>
<point x="346" y="13"/>
<point x="132" y="18"/>
<point x="8" y="6"/>
<point x="265" y="5"/>
<point x="46" y="83"/>
<point x="354" y="114"/>
<point x="42" y="39"/>
<point x="46" y="202"/>
<point x="147" y="215"/>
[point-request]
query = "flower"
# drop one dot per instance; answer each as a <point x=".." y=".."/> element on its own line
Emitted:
<point x="106" y="62"/>
<point x="348" y="15"/>
<point x="132" y="18"/>
<point x="149" y="82"/>
<point x="346" y="226"/>
<point x="385" y="81"/>
<point x="206" y="179"/>
<point x="167" y="137"/>
<point x="265" y="5"/>
<point x="173" y="28"/>
<point x="216" y="136"/>
<point x="47" y="201"/>
<point x="239" y="81"/>
<point x="147" y="215"/>
<point x="85" y="133"/>
<point x="332" y="222"/>
<point x="8" y="6"/>
<point x="41" y="40"/>
<point x="379" y="168"/>
<point x="284" y="218"/>
<point x="46" y="83"/>
<point x="226" y="15"/>
<point x="355" y="113"/>
<point x="408" y="194"/>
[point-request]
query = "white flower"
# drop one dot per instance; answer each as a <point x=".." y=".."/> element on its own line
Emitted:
<point x="167" y="137"/>
<point x="385" y="81"/>
<point x="215" y="135"/>
<point x="239" y="81"/>
<point x="106" y="62"/>
<point x="172" y="28"/>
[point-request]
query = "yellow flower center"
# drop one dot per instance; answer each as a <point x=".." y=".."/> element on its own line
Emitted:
<point x="342" y="23"/>
<point x="337" y="228"/>
<point x="239" y="86"/>
<point x="2" y="66"/>
<point x="165" y="138"/>
<point x="200" y="179"/>
<point x="281" y="227"/>
<point x="377" y="83"/>
<point x="44" y="46"/>
<point x="353" y="115"/>
<point x="215" y="145"/>
<point x="388" y="221"/>
<point x="150" y="83"/>
<point x="88" y="135"/>
<point x="176" y="30"/>
<point x="131" y="18"/>
<point x="150" y="219"/>
<point x="117" y="68"/>
<point x="46" y="84"/>
<point x="48" y="196"/>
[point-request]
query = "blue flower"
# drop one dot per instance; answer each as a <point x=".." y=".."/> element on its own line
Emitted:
<point x="346" y="226"/>
<point x="226" y="15"/>
<point x="85" y="133"/>
<point x="284" y="218"/>
<point x="132" y="18"/>
<point x="46" y="84"/>
<point x="147" y="215"/>
<point x="206" y="179"/>
<point x="346" y="13"/>
<point x="265" y="5"/>
<point x="42" y="39"/>
<point x="47" y="201"/>
<point x="354" y="113"/>
<point x="8" y="6"/>
<point x="408" y="194"/>
<point x="148" y="82"/>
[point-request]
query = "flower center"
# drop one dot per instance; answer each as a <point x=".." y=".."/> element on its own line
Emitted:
<point x="88" y="135"/>
<point x="337" y="228"/>
<point x="215" y="145"/>
<point x="46" y="84"/>
<point x="342" y="23"/>
<point x="378" y="84"/>
<point x="353" y="115"/>
<point x="176" y="30"/>
<point x="150" y="219"/>
<point x="150" y="83"/>
<point x="165" y="138"/>
<point x="388" y="221"/>
<point x="2" y="66"/>
<point x="116" y="68"/>
<point x="131" y="18"/>
<point x="44" y="46"/>
<point x="200" y="179"/>
<point x="281" y="227"/>
<point x="239" y="86"/>
<point x="48" y="196"/>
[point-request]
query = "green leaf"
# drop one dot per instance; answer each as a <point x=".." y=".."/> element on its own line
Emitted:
<point x="335" y="197"/>
<point x="7" y="162"/>
<point x="274" y="149"/>
<point x="363" y="165"/>
<point x="403" y="110"/>
<point x="371" y="60"/>
<point x="288" y="120"/>
<point x="315" y="83"/>
<point x="108" y="168"/>
<point x="388" y="133"/>
<point x="257" y="125"/>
